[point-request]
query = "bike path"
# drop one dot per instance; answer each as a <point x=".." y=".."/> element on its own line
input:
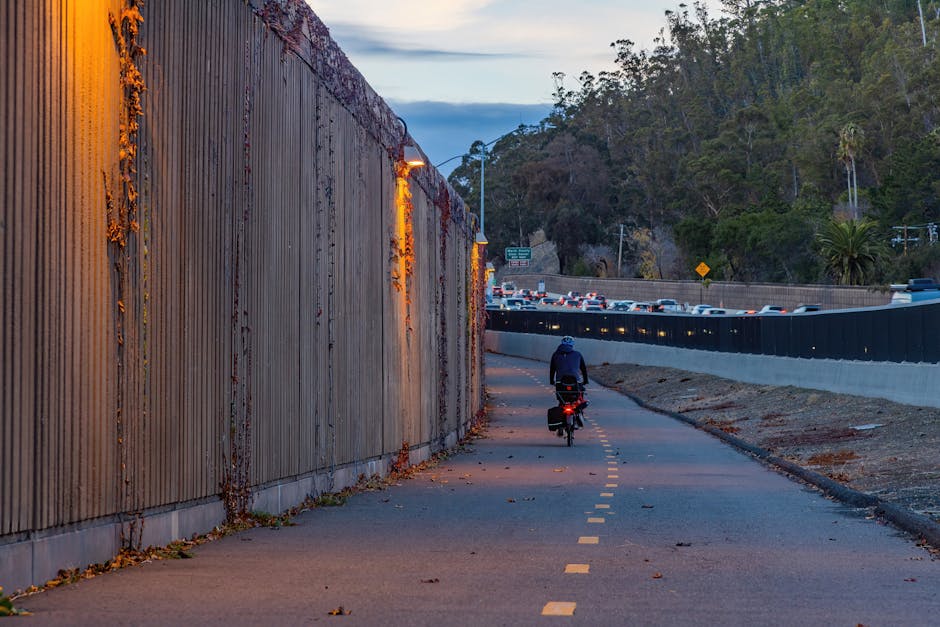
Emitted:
<point x="644" y="520"/>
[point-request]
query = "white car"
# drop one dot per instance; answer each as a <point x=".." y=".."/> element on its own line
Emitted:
<point x="714" y="311"/>
<point x="772" y="309"/>
<point x="698" y="309"/>
<point x="592" y="305"/>
<point x="668" y="305"/>
<point x="807" y="309"/>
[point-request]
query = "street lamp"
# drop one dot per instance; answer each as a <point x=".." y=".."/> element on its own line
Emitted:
<point x="481" y="238"/>
<point x="409" y="152"/>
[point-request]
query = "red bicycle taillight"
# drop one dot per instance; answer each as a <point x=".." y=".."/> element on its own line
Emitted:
<point x="569" y="410"/>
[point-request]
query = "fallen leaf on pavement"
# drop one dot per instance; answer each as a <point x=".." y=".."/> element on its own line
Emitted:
<point x="657" y="575"/>
<point x="683" y="544"/>
<point x="340" y="611"/>
<point x="647" y="507"/>
<point x="435" y="580"/>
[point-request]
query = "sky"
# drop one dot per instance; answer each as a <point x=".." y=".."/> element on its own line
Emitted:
<point x="463" y="70"/>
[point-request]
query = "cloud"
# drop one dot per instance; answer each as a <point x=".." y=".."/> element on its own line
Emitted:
<point x="367" y="41"/>
<point x="447" y="129"/>
<point x="402" y="15"/>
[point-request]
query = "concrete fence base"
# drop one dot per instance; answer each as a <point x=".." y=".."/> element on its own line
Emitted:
<point x="908" y="383"/>
<point x="39" y="557"/>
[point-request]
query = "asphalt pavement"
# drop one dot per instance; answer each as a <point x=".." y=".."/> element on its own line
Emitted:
<point x="644" y="521"/>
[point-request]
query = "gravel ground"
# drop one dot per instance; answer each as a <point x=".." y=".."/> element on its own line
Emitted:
<point x="872" y="445"/>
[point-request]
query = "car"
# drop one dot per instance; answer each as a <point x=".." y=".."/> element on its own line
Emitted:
<point x="573" y="294"/>
<point x="620" y="305"/>
<point x="529" y="307"/>
<point x="917" y="285"/>
<point x="771" y="309"/>
<point x="714" y="311"/>
<point x="806" y="309"/>
<point x="698" y="309"/>
<point x="639" y="306"/>
<point x="526" y="294"/>
<point x="515" y="303"/>
<point x="591" y="305"/>
<point x="915" y="290"/>
<point x="508" y="288"/>
<point x="667" y="305"/>
<point x="495" y="307"/>
<point x="746" y="312"/>
<point x="548" y="300"/>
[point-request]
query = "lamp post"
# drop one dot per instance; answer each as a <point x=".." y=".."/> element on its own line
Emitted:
<point x="480" y="236"/>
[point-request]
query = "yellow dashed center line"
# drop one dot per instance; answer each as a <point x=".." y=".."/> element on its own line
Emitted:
<point x="611" y="485"/>
<point x="602" y="506"/>
<point x="559" y="608"/>
<point x="597" y="521"/>
<point x="607" y="494"/>
<point x="577" y="569"/>
<point x="588" y="540"/>
<point x="613" y="476"/>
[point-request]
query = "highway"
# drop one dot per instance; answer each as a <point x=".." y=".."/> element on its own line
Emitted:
<point x="644" y="521"/>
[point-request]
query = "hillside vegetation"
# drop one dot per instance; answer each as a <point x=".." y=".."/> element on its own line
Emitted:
<point x="777" y="141"/>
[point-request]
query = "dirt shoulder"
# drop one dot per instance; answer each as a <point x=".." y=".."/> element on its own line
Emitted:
<point x="871" y="445"/>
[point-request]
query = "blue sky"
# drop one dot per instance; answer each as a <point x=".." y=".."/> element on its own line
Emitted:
<point x="462" y="70"/>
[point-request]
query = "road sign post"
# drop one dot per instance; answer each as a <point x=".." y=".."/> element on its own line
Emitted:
<point x="702" y="270"/>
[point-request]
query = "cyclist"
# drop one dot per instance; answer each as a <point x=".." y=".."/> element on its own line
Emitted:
<point x="566" y="362"/>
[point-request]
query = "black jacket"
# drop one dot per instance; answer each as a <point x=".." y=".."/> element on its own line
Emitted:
<point x="566" y="361"/>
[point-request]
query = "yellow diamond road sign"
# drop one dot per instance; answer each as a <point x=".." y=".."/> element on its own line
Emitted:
<point x="702" y="269"/>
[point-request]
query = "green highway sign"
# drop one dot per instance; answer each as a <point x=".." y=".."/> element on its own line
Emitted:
<point x="518" y="254"/>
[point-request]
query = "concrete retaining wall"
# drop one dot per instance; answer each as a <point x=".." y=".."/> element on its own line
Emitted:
<point x="911" y="384"/>
<point x="719" y="293"/>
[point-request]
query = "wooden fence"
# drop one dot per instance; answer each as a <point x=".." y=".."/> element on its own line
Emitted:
<point x="222" y="290"/>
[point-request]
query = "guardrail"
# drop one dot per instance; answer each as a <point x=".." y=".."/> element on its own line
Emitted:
<point x="907" y="333"/>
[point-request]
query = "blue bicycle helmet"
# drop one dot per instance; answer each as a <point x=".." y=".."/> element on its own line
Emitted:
<point x="568" y="340"/>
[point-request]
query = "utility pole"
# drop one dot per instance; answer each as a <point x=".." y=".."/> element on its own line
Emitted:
<point x="620" y="253"/>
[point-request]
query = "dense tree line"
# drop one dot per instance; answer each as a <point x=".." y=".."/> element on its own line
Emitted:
<point x="747" y="140"/>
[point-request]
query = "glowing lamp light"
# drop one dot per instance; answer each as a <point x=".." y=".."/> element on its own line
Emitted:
<point x="481" y="239"/>
<point x="412" y="156"/>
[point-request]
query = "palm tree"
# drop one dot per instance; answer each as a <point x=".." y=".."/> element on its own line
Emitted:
<point x="852" y="250"/>
<point x="851" y="140"/>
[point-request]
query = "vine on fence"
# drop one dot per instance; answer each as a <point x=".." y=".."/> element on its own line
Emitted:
<point x="235" y="485"/>
<point x="121" y="211"/>
<point x="402" y="244"/>
<point x="442" y="202"/>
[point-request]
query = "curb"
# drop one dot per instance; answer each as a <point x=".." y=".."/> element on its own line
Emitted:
<point x="911" y="522"/>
